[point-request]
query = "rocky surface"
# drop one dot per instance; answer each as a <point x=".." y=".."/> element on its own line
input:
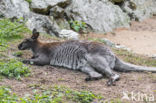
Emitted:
<point x="43" y="6"/>
<point x="139" y="9"/>
<point x="51" y="16"/>
<point x="102" y="15"/>
<point x="14" y="8"/>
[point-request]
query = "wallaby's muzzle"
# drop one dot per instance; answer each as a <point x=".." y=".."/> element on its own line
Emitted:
<point x="20" y="46"/>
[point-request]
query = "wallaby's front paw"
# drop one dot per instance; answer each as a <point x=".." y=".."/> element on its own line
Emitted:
<point x="26" y="61"/>
<point x="88" y="79"/>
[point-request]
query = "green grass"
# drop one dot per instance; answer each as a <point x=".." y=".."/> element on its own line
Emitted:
<point x="18" y="53"/>
<point x="10" y="31"/>
<point x="6" y="96"/>
<point x="13" y="68"/>
<point x="56" y="94"/>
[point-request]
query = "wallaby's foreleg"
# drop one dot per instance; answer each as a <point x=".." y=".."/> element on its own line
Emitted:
<point x="93" y="75"/>
<point x="37" y="61"/>
<point x="102" y="66"/>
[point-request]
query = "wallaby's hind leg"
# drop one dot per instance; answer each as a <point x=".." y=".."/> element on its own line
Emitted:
<point x="102" y="66"/>
<point x="93" y="75"/>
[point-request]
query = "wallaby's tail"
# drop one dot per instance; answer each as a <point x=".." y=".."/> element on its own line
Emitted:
<point x="126" y="67"/>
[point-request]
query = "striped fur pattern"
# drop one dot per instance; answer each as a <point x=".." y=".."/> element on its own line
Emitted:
<point x="70" y="54"/>
<point x="73" y="54"/>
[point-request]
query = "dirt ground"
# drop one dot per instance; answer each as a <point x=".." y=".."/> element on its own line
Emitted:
<point x="140" y="38"/>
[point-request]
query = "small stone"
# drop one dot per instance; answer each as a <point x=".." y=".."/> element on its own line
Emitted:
<point x="70" y="34"/>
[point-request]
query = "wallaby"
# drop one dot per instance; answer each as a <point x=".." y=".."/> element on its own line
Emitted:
<point x="92" y="58"/>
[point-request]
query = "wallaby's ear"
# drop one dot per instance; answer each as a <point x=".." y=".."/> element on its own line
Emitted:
<point x="35" y="34"/>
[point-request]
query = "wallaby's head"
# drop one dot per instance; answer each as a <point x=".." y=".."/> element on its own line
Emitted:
<point x="28" y="43"/>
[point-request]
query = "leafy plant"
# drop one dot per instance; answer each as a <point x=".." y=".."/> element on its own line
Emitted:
<point x="29" y="1"/>
<point x="6" y="96"/>
<point x="78" y="26"/>
<point x="13" y="68"/>
<point x="56" y="95"/>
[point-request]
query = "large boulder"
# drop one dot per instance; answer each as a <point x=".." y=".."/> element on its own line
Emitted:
<point x="139" y="9"/>
<point x="20" y="8"/>
<point x="14" y="8"/>
<point x="43" y="24"/>
<point x="100" y="15"/>
<point x="43" y="6"/>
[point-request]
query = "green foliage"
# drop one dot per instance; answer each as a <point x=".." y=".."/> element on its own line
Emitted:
<point x="18" y="53"/>
<point x="78" y="26"/>
<point x="56" y="95"/>
<point x="29" y="1"/>
<point x="13" y="68"/>
<point x="3" y="45"/>
<point x="10" y="30"/>
<point x="6" y="96"/>
<point x="62" y="94"/>
<point x="76" y="96"/>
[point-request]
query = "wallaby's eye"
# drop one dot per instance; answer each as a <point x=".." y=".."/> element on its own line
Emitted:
<point x="27" y="41"/>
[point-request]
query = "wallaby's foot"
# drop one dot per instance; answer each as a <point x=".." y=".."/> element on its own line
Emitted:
<point x="111" y="81"/>
<point x="94" y="76"/>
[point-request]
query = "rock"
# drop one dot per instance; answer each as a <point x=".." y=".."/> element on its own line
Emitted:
<point x="100" y="15"/>
<point x="122" y="47"/>
<point x="14" y="8"/>
<point x="70" y="34"/>
<point x="43" y="6"/>
<point x="57" y="12"/>
<point x="108" y="42"/>
<point x="42" y="24"/>
<point x="111" y="44"/>
<point x="139" y="9"/>
<point x="153" y="56"/>
<point x="20" y="8"/>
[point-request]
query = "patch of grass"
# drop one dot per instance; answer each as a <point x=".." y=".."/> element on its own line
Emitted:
<point x="3" y="45"/>
<point x="117" y="100"/>
<point x="9" y="31"/>
<point x="55" y="95"/>
<point x="13" y="68"/>
<point x="6" y="96"/>
<point x="18" y="53"/>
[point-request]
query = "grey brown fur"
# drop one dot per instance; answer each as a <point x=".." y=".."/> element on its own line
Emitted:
<point x="92" y="58"/>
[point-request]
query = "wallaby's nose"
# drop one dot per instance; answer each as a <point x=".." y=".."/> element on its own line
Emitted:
<point x="19" y="46"/>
